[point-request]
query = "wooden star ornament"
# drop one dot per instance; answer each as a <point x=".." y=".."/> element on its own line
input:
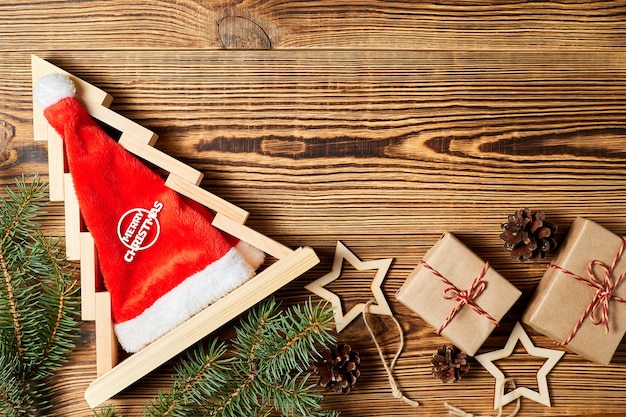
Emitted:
<point x="543" y="395"/>
<point x="380" y="265"/>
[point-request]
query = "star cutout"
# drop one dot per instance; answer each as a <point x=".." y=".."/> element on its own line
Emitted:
<point x="341" y="253"/>
<point x="487" y="359"/>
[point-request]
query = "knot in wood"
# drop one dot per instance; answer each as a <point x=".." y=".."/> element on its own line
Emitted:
<point x="237" y="32"/>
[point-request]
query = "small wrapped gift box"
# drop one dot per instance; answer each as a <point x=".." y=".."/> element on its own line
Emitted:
<point x="458" y="294"/>
<point x="579" y="302"/>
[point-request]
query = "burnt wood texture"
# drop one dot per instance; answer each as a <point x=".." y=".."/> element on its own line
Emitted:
<point x="381" y="124"/>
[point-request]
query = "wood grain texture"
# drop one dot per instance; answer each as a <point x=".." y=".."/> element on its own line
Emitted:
<point x="375" y="24"/>
<point x="380" y="124"/>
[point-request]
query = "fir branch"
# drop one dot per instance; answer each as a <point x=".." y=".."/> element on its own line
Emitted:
<point x="105" y="411"/>
<point x="264" y="317"/>
<point x="296" y="337"/>
<point x="13" y="401"/>
<point x="265" y="374"/>
<point x="63" y="295"/>
<point x="294" y="398"/>
<point x="37" y="302"/>
<point x="251" y="333"/>
<point x="60" y="299"/>
<point x="197" y="378"/>
<point x="273" y="345"/>
<point x="243" y="392"/>
<point x="8" y="284"/>
<point x="19" y="211"/>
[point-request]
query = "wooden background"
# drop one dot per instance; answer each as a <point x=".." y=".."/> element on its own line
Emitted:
<point x="378" y="123"/>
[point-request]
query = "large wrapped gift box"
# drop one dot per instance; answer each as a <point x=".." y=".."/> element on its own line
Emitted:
<point x="579" y="302"/>
<point x="457" y="293"/>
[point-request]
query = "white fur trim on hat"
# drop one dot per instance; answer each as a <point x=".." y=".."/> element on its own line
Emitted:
<point x="188" y="298"/>
<point x="53" y="88"/>
<point x="253" y="256"/>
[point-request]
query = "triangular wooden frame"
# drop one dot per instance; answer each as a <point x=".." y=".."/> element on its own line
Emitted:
<point x="113" y="378"/>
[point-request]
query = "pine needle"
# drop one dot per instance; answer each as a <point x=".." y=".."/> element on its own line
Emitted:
<point x="38" y="302"/>
<point x="264" y="373"/>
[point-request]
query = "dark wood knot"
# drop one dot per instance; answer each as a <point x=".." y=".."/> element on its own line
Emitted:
<point x="8" y="155"/>
<point x="237" y="32"/>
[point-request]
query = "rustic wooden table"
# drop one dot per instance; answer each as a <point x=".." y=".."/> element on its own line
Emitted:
<point x="381" y="124"/>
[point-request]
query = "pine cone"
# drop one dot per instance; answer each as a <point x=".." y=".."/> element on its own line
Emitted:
<point x="338" y="368"/>
<point x="528" y="235"/>
<point x="449" y="364"/>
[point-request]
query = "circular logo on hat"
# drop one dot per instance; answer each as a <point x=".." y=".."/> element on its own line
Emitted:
<point x="139" y="229"/>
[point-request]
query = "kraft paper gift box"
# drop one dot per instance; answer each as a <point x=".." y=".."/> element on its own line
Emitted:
<point x="432" y="291"/>
<point x="570" y="297"/>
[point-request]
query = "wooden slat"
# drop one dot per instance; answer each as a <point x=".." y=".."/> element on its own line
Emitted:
<point x="121" y="123"/>
<point x="88" y="276"/>
<point x="160" y="159"/>
<point x="400" y="25"/>
<point x="72" y="221"/>
<point x="56" y="164"/>
<point x="206" y="198"/>
<point x="256" y="239"/>
<point x="106" y="341"/>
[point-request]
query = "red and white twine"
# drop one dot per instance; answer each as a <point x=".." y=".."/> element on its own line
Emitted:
<point x="462" y="297"/>
<point x="598" y="308"/>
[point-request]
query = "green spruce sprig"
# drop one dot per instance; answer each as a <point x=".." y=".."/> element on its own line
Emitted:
<point x="38" y="302"/>
<point x="264" y="373"/>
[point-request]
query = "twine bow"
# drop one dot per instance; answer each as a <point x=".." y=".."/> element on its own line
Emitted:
<point x="598" y="308"/>
<point x="462" y="297"/>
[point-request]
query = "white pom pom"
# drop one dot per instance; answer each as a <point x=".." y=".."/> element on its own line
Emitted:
<point x="52" y="88"/>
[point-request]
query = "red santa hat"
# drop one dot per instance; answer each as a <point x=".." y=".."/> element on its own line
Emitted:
<point x="161" y="259"/>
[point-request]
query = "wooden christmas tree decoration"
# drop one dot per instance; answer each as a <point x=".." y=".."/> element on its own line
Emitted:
<point x="112" y="377"/>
